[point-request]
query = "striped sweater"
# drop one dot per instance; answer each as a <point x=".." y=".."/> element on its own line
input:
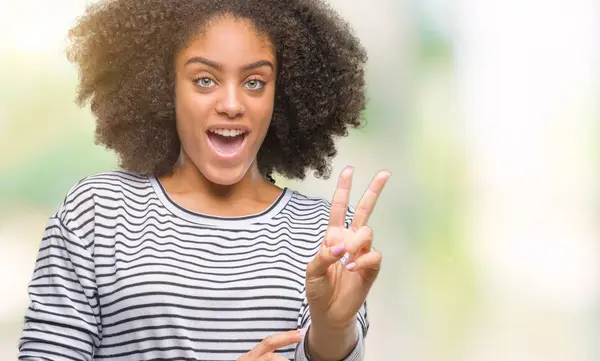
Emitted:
<point x="124" y="273"/>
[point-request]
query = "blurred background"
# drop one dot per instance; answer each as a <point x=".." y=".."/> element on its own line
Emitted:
<point x="486" y="112"/>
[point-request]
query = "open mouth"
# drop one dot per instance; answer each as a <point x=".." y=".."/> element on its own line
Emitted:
<point x="226" y="141"/>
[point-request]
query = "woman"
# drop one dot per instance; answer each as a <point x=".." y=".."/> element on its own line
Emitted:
<point x="191" y="252"/>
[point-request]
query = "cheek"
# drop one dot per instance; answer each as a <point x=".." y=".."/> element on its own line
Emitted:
<point x="190" y="109"/>
<point x="188" y="102"/>
<point x="264" y="111"/>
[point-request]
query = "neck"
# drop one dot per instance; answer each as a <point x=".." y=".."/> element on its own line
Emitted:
<point x="187" y="183"/>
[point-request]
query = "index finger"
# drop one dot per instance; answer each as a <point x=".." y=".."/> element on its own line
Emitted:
<point x="273" y="342"/>
<point x="367" y="202"/>
<point x="341" y="197"/>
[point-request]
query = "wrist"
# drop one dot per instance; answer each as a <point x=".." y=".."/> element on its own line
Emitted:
<point x="327" y="343"/>
<point x="329" y="330"/>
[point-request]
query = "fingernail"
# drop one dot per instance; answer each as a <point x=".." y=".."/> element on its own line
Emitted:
<point x="350" y="266"/>
<point x="337" y="250"/>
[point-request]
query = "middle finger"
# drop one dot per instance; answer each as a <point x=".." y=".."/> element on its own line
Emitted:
<point x="367" y="202"/>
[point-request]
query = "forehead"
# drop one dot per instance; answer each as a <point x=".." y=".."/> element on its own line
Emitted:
<point x="230" y="42"/>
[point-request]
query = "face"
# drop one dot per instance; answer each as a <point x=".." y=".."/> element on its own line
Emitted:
<point x="224" y="95"/>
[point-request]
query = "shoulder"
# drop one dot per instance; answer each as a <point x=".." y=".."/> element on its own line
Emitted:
<point x="108" y="184"/>
<point x="78" y="208"/>
<point x="300" y="201"/>
<point x="115" y="180"/>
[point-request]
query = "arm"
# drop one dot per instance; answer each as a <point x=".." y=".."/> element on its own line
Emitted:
<point x="63" y="319"/>
<point x="336" y="289"/>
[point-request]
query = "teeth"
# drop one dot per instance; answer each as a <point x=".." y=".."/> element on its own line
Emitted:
<point x="227" y="132"/>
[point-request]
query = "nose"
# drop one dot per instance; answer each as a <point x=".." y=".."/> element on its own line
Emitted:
<point x="230" y="103"/>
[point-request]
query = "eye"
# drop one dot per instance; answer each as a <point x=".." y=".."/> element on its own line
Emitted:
<point x="205" y="82"/>
<point x="254" y="84"/>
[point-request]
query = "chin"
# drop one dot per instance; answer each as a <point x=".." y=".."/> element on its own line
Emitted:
<point x="224" y="176"/>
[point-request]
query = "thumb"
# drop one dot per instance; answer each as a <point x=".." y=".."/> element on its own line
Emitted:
<point x="323" y="259"/>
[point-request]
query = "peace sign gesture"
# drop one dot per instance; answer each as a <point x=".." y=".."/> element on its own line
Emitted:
<point x="336" y="291"/>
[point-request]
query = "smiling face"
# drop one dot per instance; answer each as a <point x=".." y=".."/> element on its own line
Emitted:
<point x="224" y="96"/>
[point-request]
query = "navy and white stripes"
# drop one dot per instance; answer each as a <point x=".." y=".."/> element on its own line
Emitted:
<point x="124" y="273"/>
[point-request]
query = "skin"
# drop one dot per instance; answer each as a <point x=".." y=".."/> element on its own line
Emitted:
<point x="336" y="292"/>
<point x="207" y="95"/>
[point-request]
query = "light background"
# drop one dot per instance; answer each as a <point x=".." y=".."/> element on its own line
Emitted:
<point x="486" y="112"/>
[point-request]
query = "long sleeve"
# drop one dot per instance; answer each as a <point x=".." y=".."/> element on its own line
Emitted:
<point x="358" y="354"/>
<point x="63" y="319"/>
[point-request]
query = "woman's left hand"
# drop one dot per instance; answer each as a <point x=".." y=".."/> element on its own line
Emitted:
<point x="336" y="292"/>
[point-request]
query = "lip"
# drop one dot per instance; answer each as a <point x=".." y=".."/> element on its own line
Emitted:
<point x="232" y="157"/>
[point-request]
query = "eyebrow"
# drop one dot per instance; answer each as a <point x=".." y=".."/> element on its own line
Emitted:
<point x="214" y="64"/>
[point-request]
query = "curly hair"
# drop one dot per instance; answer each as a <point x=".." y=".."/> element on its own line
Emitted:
<point x="125" y="51"/>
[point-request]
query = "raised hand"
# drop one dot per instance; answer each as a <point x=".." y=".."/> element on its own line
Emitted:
<point x="336" y="291"/>
<point x="264" y="351"/>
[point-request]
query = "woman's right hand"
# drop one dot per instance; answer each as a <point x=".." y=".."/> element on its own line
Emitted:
<point x="264" y="350"/>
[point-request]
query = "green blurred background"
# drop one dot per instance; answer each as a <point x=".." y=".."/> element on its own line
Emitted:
<point x="486" y="113"/>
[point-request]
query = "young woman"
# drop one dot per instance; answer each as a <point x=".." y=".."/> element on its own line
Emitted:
<point x="191" y="252"/>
